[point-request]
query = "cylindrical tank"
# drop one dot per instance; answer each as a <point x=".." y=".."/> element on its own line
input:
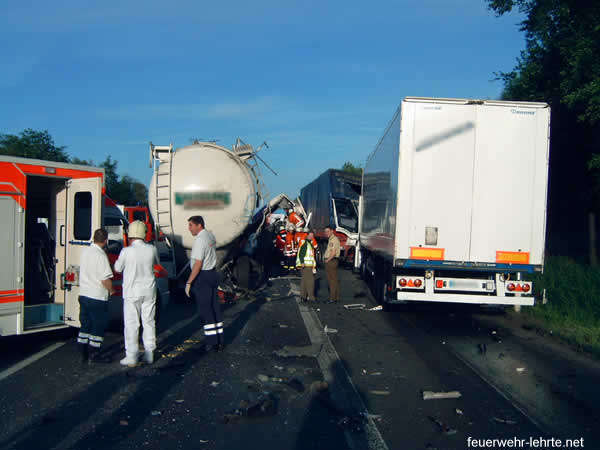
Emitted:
<point x="207" y="180"/>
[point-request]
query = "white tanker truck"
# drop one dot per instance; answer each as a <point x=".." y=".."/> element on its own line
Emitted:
<point x="225" y="188"/>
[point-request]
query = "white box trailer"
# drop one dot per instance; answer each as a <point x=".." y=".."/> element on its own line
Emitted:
<point x="454" y="202"/>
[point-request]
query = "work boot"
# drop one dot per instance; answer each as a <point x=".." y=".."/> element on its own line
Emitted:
<point x="211" y="348"/>
<point x="148" y="357"/>
<point x="129" y="361"/>
<point x="83" y="351"/>
<point x="95" y="357"/>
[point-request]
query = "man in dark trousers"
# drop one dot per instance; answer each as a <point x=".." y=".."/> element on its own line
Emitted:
<point x="95" y="286"/>
<point x="203" y="281"/>
<point x="331" y="257"/>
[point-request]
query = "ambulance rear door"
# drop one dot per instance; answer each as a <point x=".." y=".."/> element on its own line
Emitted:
<point x="84" y="216"/>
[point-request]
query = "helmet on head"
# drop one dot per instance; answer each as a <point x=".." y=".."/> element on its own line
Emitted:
<point x="137" y="230"/>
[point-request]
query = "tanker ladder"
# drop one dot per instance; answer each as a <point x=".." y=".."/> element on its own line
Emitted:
<point x="161" y="162"/>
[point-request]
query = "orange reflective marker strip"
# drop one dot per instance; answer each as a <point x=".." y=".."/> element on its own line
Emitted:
<point x="427" y="253"/>
<point x="12" y="299"/>
<point x="512" y="257"/>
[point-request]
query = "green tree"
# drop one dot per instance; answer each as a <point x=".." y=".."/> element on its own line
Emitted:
<point x="351" y="168"/>
<point x="560" y="62"/>
<point x="560" y="66"/>
<point x="40" y="145"/>
<point x="124" y="190"/>
<point x="32" y="144"/>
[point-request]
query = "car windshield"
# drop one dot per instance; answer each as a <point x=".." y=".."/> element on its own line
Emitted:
<point x="346" y="214"/>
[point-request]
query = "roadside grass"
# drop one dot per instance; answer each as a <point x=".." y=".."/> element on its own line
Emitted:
<point x="572" y="312"/>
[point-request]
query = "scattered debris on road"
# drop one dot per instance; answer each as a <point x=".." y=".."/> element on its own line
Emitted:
<point x="376" y="308"/>
<point x="318" y="386"/>
<point x="430" y="395"/>
<point x="355" y="306"/>
<point x="123" y="423"/>
<point x="328" y="330"/>
<point x="156" y="413"/>
<point x="289" y="351"/>
<point x="443" y="427"/>
<point x="215" y="383"/>
<point x="377" y="392"/>
<point x="504" y="421"/>
<point x="265" y="406"/>
<point x="459" y="411"/>
<point x="353" y="423"/>
<point x="520" y="369"/>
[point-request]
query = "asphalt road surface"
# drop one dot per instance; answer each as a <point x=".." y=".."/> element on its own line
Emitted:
<point x="283" y="383"/>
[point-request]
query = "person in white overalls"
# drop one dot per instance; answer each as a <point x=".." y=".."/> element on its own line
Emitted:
<point x="136" y="262"/>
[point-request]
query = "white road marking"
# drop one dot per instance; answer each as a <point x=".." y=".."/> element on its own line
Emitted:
<point x="327" y="357"/>
<point x="33" y="358"/>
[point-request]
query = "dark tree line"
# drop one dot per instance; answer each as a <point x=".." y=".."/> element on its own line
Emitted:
<point x="40" y="145"/>
<point x="561" y="66"/>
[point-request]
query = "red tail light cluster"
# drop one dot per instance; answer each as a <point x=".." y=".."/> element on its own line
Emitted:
<point x="518" y="287"/>
<point x="410" y="283"/>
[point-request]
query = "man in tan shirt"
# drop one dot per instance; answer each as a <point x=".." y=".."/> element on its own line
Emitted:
<point x="331" y="257"/>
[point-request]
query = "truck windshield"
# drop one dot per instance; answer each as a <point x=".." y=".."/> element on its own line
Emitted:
<point x="346" y="214"/>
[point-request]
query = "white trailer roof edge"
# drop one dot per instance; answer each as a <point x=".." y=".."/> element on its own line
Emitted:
<point x="385" y="131"/>
<point x="58" y="165"/>
<point x="466" y="101"/>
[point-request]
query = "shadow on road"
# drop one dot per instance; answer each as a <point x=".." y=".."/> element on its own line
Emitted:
<point x="149" y="385"/>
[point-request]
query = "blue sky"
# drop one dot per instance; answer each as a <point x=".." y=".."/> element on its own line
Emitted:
<point x="318" y="81"/>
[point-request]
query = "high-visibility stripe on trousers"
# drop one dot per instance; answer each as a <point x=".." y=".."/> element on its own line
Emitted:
<point x="204" y="291"/>
<point x="211" y="329"/>
<point x="93" y="316"/>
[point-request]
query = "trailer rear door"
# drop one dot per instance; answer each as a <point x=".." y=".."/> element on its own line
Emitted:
<point x="84" y="216"/>
<point x="442" y="178"/>
<point x="509" y="189"/>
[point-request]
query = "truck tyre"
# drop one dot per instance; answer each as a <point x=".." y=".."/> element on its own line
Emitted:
<point x="363" y="270"/>
<point x="241" y="271"/>
<point x="381" y="295"/>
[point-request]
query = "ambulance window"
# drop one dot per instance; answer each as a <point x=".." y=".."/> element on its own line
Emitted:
<point x="83" y="216"/>
<point x="139" y="215"/>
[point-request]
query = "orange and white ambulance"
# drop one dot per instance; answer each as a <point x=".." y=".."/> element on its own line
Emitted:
<point x="48" y="214"/>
